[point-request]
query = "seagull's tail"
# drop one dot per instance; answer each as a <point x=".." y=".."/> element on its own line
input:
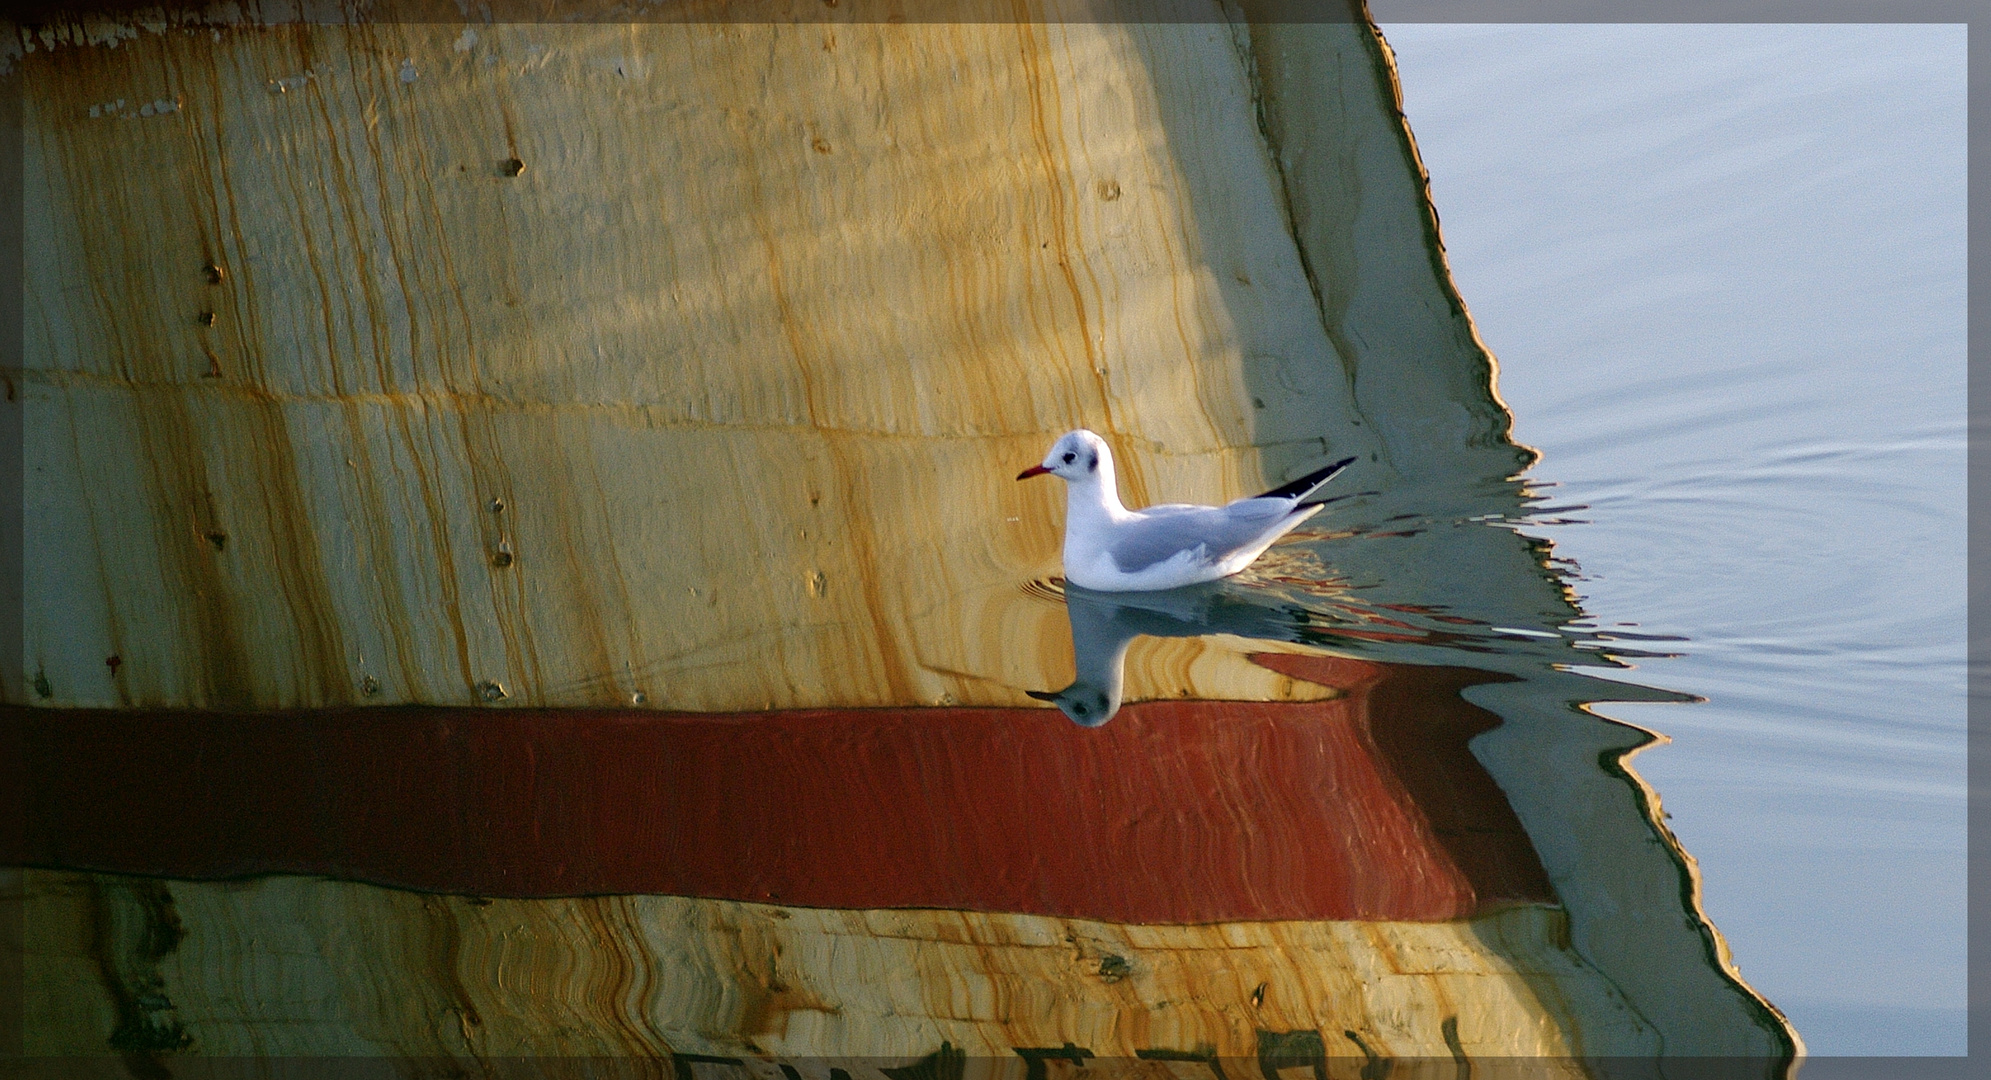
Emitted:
<point x="1307" y="486"/>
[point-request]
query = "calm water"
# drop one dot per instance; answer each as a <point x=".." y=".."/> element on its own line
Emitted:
<point x="1723" y="270"/>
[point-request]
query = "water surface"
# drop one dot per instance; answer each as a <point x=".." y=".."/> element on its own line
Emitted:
<point x="1723" y="269"/>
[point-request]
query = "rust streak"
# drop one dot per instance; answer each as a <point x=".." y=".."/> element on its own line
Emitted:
<point x="1047" y="134"/>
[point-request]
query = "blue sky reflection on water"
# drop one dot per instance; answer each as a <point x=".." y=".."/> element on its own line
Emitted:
<point x="1723" y="268"/>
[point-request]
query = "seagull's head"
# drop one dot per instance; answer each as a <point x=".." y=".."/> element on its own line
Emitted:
<point x="1086" y="705"/>
<point x="1076" y="456"/>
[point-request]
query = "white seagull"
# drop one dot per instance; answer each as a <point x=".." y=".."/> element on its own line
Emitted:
<point x="1110" y="548"/>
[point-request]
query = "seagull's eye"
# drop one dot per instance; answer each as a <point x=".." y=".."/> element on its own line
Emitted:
<point x="1069" y="457"/>
<point x="1078" y="707"/>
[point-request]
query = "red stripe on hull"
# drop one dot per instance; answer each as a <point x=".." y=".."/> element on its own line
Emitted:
<point x="1365" y="807"/>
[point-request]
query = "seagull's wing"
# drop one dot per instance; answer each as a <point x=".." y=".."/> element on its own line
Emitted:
<point x="1209" y="534"/>
<point x="1260" y="509"/>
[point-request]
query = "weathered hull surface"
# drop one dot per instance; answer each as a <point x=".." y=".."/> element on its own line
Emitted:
<point x="746" y="327"/>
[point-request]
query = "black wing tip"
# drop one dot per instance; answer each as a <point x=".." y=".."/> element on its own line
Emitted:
<point x="1310" y="481"/>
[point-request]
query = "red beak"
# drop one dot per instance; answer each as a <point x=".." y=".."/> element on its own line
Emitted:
<point x="1034" y="470"/>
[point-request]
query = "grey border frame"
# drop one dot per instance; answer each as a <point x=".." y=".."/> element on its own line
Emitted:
<point x="1975" y="15"/>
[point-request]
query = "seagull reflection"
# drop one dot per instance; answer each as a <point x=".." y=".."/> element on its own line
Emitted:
<point x="1104" y="624"/>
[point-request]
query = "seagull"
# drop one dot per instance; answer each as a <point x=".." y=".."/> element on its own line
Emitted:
<point x="1109" y="548"/>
